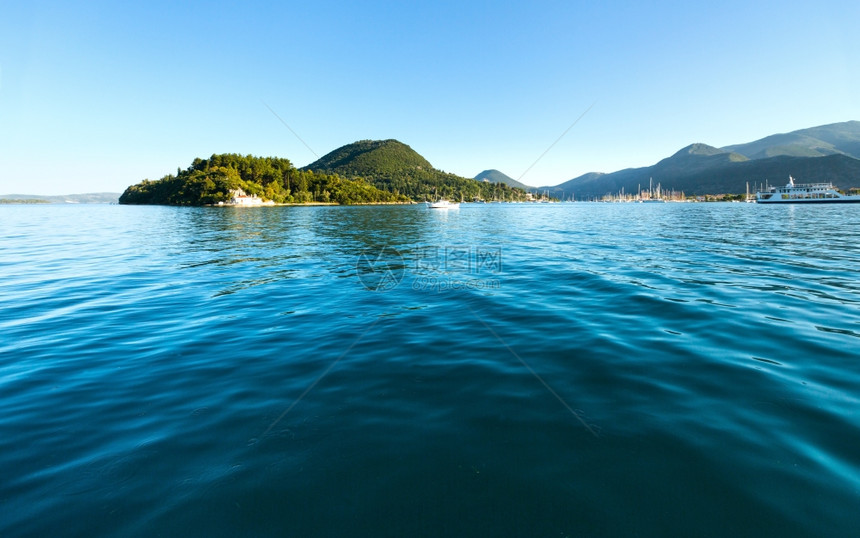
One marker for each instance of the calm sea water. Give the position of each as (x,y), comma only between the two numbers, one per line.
(500,370)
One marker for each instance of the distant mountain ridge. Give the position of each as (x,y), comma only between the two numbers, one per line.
(84,198)
(828,153)
(696,157)
(835,138)
(713,174)
(494,176)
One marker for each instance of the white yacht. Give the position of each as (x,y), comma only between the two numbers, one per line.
(443,204)
(804,193)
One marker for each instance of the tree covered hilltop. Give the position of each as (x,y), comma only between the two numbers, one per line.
(395,167)
(210,181)
(364,172)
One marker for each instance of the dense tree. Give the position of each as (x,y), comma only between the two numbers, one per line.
(367,171)
(209,181)
(395,167)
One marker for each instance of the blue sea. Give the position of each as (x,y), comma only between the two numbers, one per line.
(552,370)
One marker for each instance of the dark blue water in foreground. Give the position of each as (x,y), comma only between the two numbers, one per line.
(501,370)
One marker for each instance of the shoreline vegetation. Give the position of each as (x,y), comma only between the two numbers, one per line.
(213,180)
(394,179)
(362,173)
(311,204)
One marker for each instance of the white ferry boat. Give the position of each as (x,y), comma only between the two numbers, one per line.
(804,193)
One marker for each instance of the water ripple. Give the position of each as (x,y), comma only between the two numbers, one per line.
(155,368)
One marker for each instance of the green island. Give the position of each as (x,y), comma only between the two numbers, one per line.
(365,172)
(213,180)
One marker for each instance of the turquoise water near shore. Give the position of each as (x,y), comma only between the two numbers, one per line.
(497,370)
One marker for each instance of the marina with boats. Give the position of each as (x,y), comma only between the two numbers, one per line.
(790,193)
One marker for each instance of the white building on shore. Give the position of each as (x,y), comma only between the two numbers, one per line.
(240,198)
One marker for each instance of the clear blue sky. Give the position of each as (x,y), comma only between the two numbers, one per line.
(95,96)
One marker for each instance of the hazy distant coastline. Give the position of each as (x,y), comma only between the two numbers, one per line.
(85,198)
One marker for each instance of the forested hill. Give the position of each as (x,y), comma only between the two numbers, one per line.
(395,167)
(494,176)
(371,157)
(209,181)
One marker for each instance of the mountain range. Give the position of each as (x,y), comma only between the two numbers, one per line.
(836,138)
(374,171)
(828,153)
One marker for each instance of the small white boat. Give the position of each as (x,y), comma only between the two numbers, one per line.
(810,193)
(443,204)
